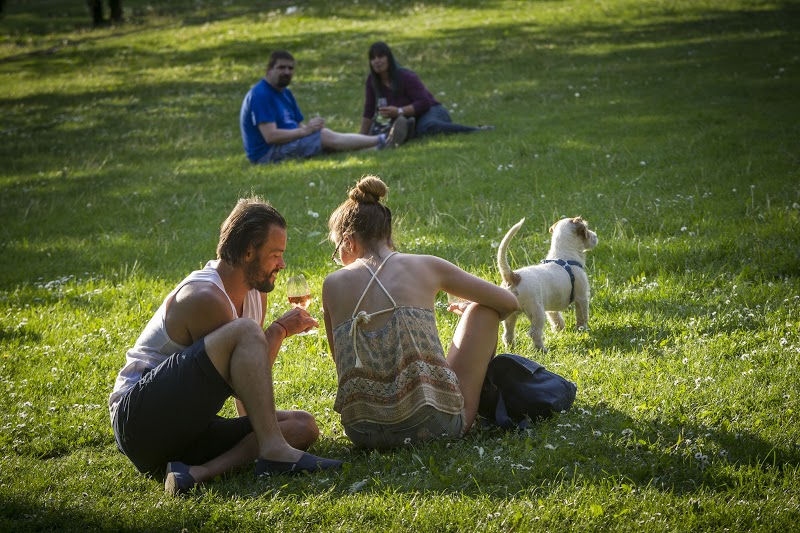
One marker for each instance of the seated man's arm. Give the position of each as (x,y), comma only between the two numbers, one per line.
(196,310)
(274,135)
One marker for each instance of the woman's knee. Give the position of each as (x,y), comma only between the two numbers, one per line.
(482,314)
(299,428)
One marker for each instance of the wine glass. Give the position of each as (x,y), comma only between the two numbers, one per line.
(382,102)
(299,295)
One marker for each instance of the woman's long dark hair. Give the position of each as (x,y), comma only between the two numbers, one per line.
(380,48)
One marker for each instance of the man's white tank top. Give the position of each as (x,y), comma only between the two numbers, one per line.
(154,346)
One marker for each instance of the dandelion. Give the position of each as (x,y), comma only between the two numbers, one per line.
(313,214)
(407,441)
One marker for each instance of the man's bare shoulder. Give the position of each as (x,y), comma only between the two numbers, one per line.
(197,309)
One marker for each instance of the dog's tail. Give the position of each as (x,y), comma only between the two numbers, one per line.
(510,277)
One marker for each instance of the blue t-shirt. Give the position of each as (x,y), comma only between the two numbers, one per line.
(263,104)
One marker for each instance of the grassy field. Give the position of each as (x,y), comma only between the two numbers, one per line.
(672,126)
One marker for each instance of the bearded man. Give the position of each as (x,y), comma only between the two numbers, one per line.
(206,343)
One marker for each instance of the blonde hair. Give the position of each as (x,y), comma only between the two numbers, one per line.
(363,214)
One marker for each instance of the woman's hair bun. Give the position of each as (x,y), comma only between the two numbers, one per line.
(370,190)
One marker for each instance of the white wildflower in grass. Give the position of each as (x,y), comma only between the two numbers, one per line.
(627,432)
(784,342)
(550,447)
(597,433)
(643,163)
(684,228)
(313,214)
(312,184)
(407,441)
(723,453)
(685,360)
(497,458)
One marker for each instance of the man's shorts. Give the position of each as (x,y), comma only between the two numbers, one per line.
(301,148)
(171,414)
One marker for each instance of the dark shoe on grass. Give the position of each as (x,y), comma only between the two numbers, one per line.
(179,480)
(412,128)
(398,134)
(307,463)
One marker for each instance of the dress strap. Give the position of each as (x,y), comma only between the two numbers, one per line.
(362,317)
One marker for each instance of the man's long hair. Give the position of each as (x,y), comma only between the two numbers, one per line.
(248,225)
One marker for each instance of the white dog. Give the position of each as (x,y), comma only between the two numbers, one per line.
(552,286)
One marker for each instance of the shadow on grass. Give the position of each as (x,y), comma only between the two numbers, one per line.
(20,515)
(593,445)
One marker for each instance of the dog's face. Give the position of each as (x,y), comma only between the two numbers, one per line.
(574,229)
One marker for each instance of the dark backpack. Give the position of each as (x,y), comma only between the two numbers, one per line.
(517,389)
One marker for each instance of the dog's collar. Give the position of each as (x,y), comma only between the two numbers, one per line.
(568,268)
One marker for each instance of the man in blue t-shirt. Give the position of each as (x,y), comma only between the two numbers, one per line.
(272,124)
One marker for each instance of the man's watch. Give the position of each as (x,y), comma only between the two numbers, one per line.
(399,110)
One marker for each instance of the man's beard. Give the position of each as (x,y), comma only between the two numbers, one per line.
(284,80)
(251,275)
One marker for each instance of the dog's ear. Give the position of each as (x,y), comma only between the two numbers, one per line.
(582,229)
(553,227)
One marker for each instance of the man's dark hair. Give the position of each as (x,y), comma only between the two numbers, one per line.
(276,55)
(248,225)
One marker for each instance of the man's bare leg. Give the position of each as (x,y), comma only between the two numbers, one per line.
(239,352)
(332,140)
(298,427)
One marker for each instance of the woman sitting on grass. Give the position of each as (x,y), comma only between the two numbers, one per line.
(398,92)
(395,385)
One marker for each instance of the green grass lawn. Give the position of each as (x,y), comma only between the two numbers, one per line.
(672,126)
